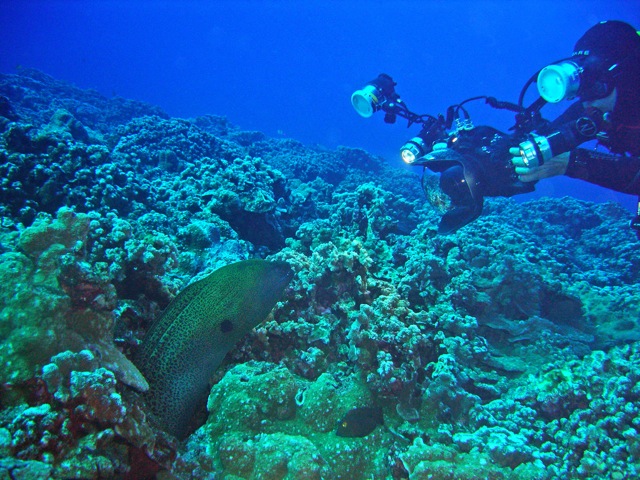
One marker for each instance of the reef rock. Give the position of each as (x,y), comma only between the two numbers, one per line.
(506,350)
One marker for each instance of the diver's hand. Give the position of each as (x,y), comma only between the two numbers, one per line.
(552,167)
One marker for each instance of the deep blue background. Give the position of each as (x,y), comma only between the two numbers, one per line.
(289,68)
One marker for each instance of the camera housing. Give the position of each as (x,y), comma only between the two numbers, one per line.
(463,164)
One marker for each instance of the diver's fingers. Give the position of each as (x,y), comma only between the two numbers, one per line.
(518,161)
(532,177)
(524,170)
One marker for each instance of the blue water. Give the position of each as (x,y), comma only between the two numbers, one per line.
(288,68)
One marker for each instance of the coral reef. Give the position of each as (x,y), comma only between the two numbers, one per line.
(507,350)
(78,425)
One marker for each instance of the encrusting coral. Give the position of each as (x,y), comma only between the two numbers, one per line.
(506,350)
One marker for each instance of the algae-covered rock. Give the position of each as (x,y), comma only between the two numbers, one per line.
(423,462)
(328,399)
(274,456)
(25,469)
(67,229)
(250,397)
(32,318)
(38,317)
(268,423)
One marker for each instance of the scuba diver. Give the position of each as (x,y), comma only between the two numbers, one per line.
(609,53)
(463,163)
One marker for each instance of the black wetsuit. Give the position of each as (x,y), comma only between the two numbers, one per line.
(618,170)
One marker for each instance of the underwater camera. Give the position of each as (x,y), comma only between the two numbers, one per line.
(463,163)
(462,168)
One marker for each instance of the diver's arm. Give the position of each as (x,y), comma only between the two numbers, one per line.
(617,172)
(556,165)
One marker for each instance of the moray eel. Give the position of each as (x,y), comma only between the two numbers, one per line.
(188,342)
